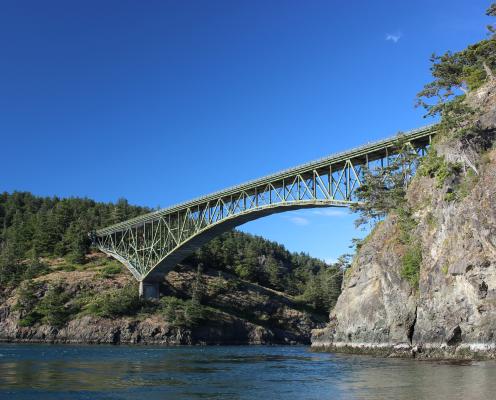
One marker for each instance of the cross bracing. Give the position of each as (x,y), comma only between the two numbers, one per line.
(152,244)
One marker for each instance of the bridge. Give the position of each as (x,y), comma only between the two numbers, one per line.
(152,244)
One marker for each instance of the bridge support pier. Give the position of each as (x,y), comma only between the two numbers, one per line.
(149,290)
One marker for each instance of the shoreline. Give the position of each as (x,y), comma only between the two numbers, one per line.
(424,351)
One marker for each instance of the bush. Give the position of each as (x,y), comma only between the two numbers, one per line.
(183,313)
(437,167)
(323,289)
(12,271)
(116,302)
(411,265)
(30,319)
(26,303)
(110,270)
(53,308)
(34,269)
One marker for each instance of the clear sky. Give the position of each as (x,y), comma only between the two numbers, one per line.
(163,101)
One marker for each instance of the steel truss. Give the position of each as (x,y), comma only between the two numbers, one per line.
(152,244)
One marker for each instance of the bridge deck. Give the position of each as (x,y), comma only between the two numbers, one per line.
(370,151)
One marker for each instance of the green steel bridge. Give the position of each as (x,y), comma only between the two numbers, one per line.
(152,244)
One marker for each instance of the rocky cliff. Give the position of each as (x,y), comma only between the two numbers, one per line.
(452,311)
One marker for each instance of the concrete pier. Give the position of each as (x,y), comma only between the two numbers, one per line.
(149,290)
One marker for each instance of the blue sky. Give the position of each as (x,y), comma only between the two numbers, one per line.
(163,101)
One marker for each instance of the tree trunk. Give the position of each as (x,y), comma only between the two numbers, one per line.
(489,73)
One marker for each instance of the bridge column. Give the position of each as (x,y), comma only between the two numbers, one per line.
(149,290)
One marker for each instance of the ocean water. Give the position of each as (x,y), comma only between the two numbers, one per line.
(232,372)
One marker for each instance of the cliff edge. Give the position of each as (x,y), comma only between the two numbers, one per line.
(450,310)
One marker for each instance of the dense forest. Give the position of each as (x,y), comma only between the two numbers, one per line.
(35,229)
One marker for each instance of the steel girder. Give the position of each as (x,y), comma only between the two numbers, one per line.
(152,244)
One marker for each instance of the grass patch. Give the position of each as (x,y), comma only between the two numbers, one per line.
(110,270)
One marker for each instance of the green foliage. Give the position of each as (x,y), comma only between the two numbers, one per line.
(110,270)
(450,196)
(76,242)
(26,303)
(14,271)
(52,227)
(437,167)
(258,260)
(48,226)
(461,71)
(384,189)
(323,289)
(183,313)
(411,263)
(199,289)
(53,308)
(466,184)
(30,319)
(431,220)
(433,166)
(491,11)
(406,224)
(443,173)
(115,302)
(34,268)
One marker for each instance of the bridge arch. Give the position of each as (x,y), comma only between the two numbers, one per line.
(203,236)
(150,245)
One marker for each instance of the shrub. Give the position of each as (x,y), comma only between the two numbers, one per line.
(110,270)
(450,196)
(26,303)
(14,271)
(467,184)
(53,308)
(116,302)
(183,313)
(30,319)
(35,268)
(411,265)
(431,220)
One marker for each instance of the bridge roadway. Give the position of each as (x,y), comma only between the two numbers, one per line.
(152,244)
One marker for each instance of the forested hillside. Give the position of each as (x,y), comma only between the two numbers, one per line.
(53,276)
(34,227)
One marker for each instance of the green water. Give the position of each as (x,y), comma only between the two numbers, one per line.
(244,372)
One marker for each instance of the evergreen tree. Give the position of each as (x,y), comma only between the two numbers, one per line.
(384,189)
(459,72)
(77,241)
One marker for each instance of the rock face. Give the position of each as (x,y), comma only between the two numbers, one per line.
(377,306)
(453,311)
(244,313)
